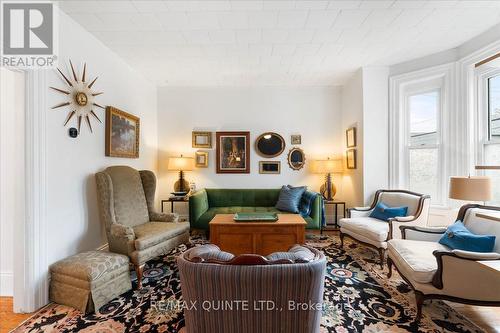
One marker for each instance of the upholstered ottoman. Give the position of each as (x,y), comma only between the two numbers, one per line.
(88,280)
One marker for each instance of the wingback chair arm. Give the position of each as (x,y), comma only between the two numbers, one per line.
(359,212)
(413,232)
(122,231)
(455,273)
(163,217)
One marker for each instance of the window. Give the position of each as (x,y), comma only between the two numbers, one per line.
(491,142)
(423,143)
(420,131)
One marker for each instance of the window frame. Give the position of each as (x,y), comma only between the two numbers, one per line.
(402,86)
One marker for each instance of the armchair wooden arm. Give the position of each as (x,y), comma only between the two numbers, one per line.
(464,279)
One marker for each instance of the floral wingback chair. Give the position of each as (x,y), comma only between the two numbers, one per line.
(133,227)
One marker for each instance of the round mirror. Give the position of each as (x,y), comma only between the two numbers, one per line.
(269,144)
(296,158)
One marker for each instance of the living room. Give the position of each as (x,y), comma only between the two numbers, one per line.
(164,163)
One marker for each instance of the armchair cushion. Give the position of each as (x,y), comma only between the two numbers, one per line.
(458,237)
(153,233)
(415,258)
(384,212)
(367,226)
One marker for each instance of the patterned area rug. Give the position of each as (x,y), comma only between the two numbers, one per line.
(363,300)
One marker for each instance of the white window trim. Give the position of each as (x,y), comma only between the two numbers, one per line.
(401,86)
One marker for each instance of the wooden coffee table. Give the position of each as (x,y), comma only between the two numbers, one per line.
(257,237)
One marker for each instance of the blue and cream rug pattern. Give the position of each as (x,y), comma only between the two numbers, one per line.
(366,301)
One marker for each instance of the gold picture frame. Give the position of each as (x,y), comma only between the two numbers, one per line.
(201,139)
(296,158)
(270,167)
(350,135)
(201,159)
(118,144)
(351,159)
(296,139)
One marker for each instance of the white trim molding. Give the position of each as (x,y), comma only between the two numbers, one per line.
(31,271)
(440,78)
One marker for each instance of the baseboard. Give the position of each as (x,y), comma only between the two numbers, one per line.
(104,247)
(6,283)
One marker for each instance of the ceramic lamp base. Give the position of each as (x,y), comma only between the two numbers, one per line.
(328,189)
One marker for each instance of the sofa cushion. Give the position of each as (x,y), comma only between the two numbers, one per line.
(289,199)
(152,233)
(415,258)
(384,212)
(458,237)
(367,226)
(242,197)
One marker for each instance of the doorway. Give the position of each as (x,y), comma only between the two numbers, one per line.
(12,181)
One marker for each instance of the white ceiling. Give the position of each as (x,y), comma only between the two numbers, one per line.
(301,43)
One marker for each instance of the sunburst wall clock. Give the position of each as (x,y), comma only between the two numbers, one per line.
(80,97)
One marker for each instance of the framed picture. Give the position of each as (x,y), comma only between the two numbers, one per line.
(233,152)
(122,133)
(270,167)
(201,159)
(350,134)
(296,139)
(202,140)
(351,159)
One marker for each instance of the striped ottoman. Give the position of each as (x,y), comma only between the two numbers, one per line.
(88,280)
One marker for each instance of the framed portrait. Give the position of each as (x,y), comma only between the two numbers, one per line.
(270,167)
(202,140)
(233,152)
(296,139)
(122,133)
(351,159)
(350,134)
(201,159)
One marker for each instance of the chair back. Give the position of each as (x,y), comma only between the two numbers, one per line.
(482,220)
(263,287)
(417,203)
(126,195)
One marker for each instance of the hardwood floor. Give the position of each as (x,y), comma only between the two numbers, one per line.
(8,319)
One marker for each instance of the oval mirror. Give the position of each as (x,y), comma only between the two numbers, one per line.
(269,144)
(296,158)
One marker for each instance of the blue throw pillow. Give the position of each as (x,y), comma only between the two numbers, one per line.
(289,198)
(384,212)
(458,237)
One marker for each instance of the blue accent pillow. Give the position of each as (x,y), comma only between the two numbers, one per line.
(384,212)
(289,198)
(458,237)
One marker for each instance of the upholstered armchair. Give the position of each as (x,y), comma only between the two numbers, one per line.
(250,293)
(375,233)
(435,271)
(133,227)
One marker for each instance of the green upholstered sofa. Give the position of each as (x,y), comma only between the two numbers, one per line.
(206,203)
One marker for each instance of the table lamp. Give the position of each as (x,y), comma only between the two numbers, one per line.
(470,188)
(327,167)
(181,164)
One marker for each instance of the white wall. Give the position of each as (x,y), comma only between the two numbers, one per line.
(352,116)
(11,176)
(312,112)
(72,213)
(376,131)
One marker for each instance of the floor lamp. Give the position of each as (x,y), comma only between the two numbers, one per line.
(475,188)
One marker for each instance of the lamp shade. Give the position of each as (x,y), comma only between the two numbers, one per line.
(180,163)
(470,188)
(327,166)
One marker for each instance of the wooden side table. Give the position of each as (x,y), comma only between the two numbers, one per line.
(335,204)
(171,200)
